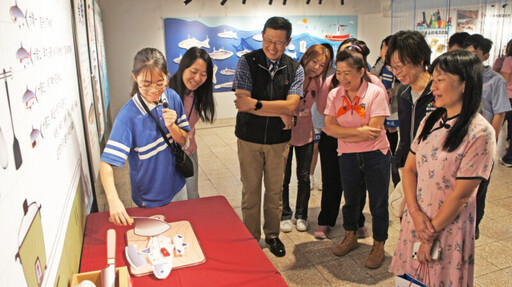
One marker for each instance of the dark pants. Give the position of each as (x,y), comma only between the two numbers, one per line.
(331,183)
(480,199)
(366,170)
(304,154)
(508,155)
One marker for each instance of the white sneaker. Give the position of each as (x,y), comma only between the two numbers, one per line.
(312,182)
(286,225)
(302,225)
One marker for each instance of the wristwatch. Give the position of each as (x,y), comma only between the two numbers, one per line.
(258,105)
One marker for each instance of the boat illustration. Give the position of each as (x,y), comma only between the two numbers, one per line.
(228,34)
(293,55)
(178,60)
(224,85)
(29,98)
(258,37)
(243,52)
(338,36)
(227,72)
(220,54)
(291,47)
(193,42)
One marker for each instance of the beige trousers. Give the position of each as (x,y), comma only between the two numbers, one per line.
(259,161)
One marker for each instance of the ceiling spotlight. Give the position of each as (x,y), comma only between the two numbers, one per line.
(308,1)
(243,2)
(319,2)
(342,2)
(284,2)
(269,2)
(223,2)
(187,2)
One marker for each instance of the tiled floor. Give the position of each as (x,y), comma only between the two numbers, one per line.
(310,262)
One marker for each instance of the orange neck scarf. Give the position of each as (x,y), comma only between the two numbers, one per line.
(347,107)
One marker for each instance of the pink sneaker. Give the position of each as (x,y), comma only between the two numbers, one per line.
(361,232)
(322,231)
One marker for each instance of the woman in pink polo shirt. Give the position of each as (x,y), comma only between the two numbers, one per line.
(355,114)
(316,64)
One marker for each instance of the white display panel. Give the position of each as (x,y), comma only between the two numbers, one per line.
(43,148)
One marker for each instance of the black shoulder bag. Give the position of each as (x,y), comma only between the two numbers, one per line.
(183,161)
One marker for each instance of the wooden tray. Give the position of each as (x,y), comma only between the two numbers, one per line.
(193,253)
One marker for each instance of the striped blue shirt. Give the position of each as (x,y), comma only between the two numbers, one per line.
(135,136)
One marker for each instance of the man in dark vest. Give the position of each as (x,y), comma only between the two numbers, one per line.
(268,87)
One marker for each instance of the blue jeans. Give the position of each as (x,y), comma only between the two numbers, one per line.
(370,170)
(304,154)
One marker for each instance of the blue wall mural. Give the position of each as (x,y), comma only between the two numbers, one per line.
(226,39)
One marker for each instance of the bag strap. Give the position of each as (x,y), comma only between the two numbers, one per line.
(156,122)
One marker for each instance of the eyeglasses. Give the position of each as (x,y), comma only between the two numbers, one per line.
(147,88)
(397,69)
(279,44)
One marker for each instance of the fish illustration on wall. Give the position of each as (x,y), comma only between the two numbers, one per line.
(29,99)
(193,42)
(227,72)
(178,60)
(214,78)
(293,55)
(258,37)
(228,34)
(224,85)
(220,54)
(17,14)
(243,52)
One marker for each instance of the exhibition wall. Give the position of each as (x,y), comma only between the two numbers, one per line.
(52,123)
(130,25)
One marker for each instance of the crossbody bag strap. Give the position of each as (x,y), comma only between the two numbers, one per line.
(156,122)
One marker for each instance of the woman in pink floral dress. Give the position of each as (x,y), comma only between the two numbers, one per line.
(448,159)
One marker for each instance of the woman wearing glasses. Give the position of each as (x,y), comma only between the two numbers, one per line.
(193,83)
(409,56)
(135,136)
(355,114)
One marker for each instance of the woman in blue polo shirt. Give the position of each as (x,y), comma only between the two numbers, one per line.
(135,136)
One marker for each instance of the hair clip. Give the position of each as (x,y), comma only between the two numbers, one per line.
(354,47)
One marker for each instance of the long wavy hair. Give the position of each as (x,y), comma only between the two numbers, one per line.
(147,59)
(203,103)
(468,68)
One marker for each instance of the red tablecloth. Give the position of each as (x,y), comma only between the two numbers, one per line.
(233,257)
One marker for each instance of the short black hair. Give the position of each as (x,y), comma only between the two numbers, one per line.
(411,47)
(279,23)
(458,39)
(478,42)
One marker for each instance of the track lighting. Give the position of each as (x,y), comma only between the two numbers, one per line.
(319,2)
(308,1)
(223,2)
(243,2)
(269,2)
(342,2)
(284,2)
(187,2)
